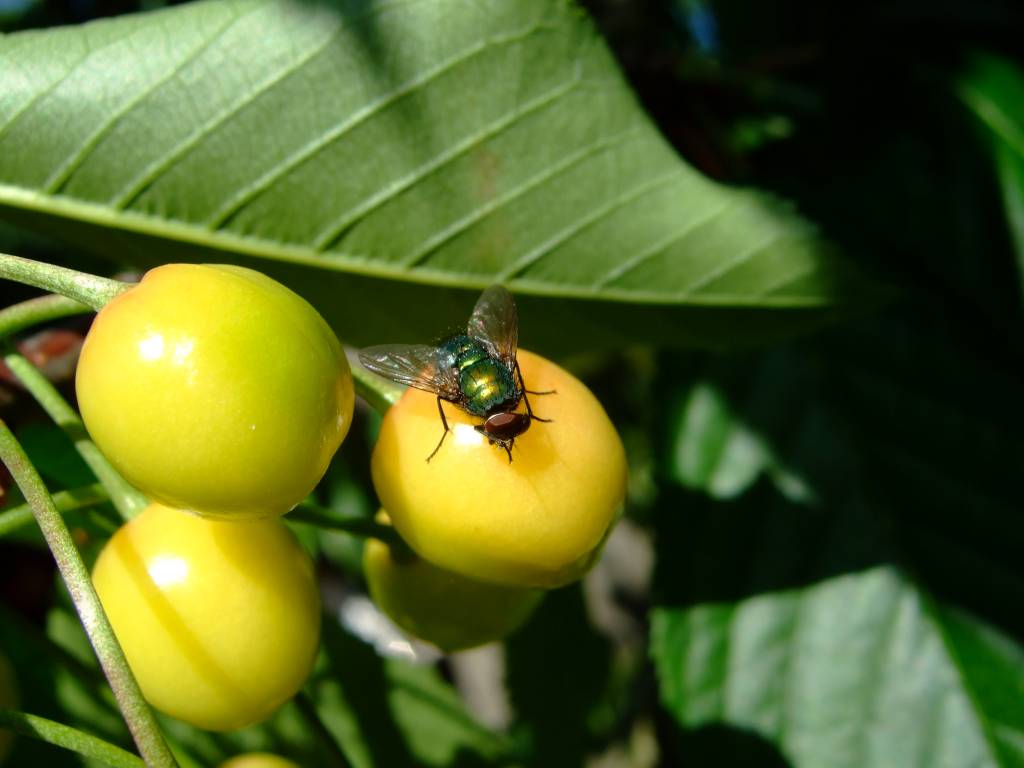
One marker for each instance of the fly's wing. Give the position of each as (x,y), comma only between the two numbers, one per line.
(416,365)
(494,322)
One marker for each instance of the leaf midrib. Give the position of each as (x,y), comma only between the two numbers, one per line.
(30,200)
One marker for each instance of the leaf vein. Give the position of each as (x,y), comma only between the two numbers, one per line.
(158,167)
(60,177)
(660,246)
(530,258)
(445,235)
(188,232)
(240,199)
(785,279)
(329,236)
(730,264)
(46,91)
(875,677)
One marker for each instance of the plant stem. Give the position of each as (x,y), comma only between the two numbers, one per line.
(378,392)
(89,289)
(128,501)
(314,514)
(17,317)
(134,708)
(70,738)
(66,501)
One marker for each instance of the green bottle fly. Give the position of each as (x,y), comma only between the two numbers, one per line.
(476,371)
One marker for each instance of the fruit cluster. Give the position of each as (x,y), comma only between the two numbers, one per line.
(222,396)
(492,534)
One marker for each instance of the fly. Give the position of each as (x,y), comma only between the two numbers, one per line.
(477,371)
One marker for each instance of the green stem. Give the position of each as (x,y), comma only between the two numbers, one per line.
(88,289)
(70,738)
(136,712)
(378,392)
(66,501)
(128,501)
(17,317)
(314,514)
(336,756)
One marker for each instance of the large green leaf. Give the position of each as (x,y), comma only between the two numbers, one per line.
(905,420)
(441,143)
(861,670)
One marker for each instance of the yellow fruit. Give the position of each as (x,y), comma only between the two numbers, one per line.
(439,606)
(215,389)
(258,760)
(537,522)
(219,621)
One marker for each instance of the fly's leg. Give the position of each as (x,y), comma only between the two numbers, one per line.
(444,434)
(529,410)
(508,448)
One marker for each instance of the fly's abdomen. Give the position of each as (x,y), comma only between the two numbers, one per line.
(487,384)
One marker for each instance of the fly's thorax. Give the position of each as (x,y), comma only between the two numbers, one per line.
(463,349)
(488,386)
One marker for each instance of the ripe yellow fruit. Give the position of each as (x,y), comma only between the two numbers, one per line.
(537,522)
(215,389)
(258,760)
(441,607)
(220,621)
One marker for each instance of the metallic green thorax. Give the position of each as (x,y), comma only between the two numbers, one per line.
(486,382)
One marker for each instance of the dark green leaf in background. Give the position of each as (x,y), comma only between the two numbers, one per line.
(558,672)
(910,459)
(993,89)
(861,670)
(386,712)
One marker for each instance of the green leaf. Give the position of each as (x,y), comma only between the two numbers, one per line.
(441,143)
(725,425)
(558,671)
(69,738)
(36,668)
(54,455)
(388,713)
(861,670)
(903,424)
(938,434)
(993,89)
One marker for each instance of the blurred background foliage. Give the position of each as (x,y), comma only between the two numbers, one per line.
(834,521)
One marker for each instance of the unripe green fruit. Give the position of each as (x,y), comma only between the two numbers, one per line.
(215,389)
(441,607)
(258,760)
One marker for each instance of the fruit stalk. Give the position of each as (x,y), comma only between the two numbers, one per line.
(41,309)
(88,289)
(66,501)
(137,714)
(379,393)
(126,499)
